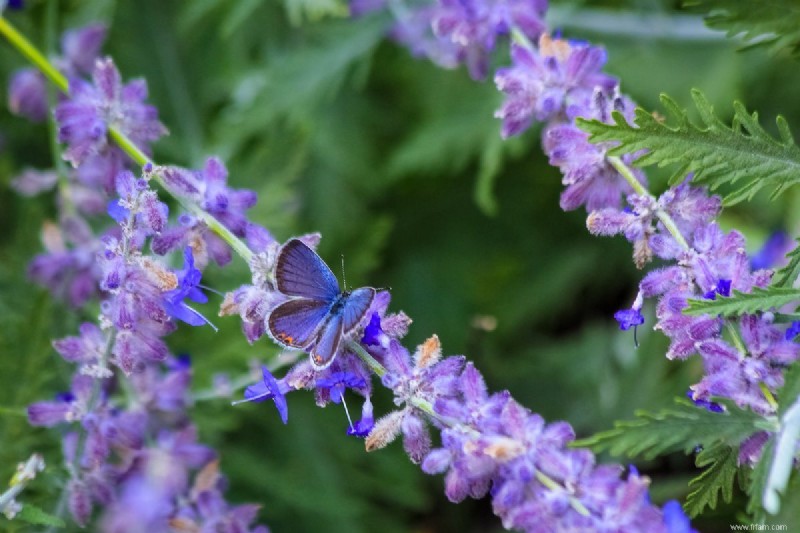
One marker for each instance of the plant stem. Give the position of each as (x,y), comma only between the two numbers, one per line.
(640,189)
(33,55)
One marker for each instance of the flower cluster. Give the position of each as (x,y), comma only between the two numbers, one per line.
(489,443)
(130,447)
(141,455)
(558,81)
(745,366)
(455,32)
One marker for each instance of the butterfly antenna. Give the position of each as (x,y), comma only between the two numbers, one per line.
(344,279)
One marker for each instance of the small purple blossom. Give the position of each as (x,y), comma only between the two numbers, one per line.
(473,26)
(558,77)
(705,404)
(772,253)
(629,318)
(364,426)
(336,383)
(188,287)
(27,95)
(92,108)
(269,388)
(589,178)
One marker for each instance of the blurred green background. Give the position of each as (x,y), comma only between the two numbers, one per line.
(400,166)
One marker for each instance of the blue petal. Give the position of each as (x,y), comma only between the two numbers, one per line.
(629,318)
(373,331)
(184,313)
(116,211)
(675,519)
(278,397)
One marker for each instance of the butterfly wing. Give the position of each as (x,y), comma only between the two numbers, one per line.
(299,271)
(356,306)
(295,323)
(327,342)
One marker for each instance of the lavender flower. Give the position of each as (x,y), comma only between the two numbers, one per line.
(270,388)
(474,25)
(67,268)
(590,179)
(92,108)
(208,188)
(557,78)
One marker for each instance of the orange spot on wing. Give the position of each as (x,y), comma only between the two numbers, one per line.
(283,337)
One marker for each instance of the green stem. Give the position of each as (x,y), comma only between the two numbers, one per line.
(33,55)
(640,189)
(377,368)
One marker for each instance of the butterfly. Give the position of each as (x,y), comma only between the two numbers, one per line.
(318,313)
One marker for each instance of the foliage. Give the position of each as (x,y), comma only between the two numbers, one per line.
(743,155)
(682,428)
(772,23)
(397,162)
(741,303)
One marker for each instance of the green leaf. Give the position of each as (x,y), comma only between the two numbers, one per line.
(34,515)
(719,462)
(314,9)
(490,166)
(744,303)
(682,428)
(773,23)
(743,155)
(790,391)
(787,275)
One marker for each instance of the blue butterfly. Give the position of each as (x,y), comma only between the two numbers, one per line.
(318,314)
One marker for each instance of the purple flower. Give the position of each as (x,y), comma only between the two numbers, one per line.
(675,519)
(68,267)
(557,78)
(336,383)
(589,178)
(27,94)
(363,427)
(629,318)
(188,287)
(773,252)
(705,404)
(269,388)
(208,188)
(80,48)
(84,118)
(473,26)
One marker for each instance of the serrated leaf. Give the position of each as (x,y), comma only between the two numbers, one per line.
(774,23)
(743,154)
(787,275)
(682,428)
(720,470)
(744,303)
(34,515)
